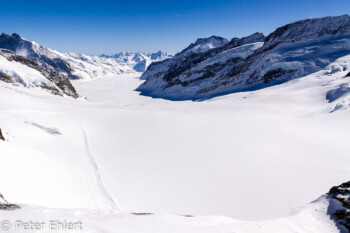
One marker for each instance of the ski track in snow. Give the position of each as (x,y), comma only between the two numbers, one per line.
(96,169)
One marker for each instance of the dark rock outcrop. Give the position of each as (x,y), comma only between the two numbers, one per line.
(341,194)
(4,205)
(9,206)
(1,136)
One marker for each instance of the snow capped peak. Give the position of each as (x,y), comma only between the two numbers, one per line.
(132,55)
(256,37)
(139,61)
(212,38)
(160,55)
(310,29)
(204,44)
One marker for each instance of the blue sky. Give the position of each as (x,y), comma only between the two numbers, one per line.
(104,26)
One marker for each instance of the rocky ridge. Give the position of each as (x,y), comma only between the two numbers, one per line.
(292,51)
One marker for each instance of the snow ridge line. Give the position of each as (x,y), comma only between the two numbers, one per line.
(96,169)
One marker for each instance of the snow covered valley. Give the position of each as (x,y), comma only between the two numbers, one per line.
(249,156)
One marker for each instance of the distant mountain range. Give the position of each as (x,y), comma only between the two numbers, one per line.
(208,67)
(214,66)
(138,61)
(80,66)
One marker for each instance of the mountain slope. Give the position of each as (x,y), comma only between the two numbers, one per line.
(79,66)
(19,70)
(187,69)
(292,51)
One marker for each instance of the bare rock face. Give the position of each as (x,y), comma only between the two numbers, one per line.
(341,193)
(63,85)
(1,136)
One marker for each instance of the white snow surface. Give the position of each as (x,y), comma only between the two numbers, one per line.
(310,219)
(250,155)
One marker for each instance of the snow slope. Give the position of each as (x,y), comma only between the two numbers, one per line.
(19,70)
(232,156)
(313,218)
(46,160)
(214,157)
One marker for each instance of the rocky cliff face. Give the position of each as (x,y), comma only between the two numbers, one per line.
(291,51)
(19,70)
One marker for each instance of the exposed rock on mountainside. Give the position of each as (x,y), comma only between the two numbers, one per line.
(80,66)
(309,29)
(1,136)
(290,52)
(341,193)
(30,74)
(188,68)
